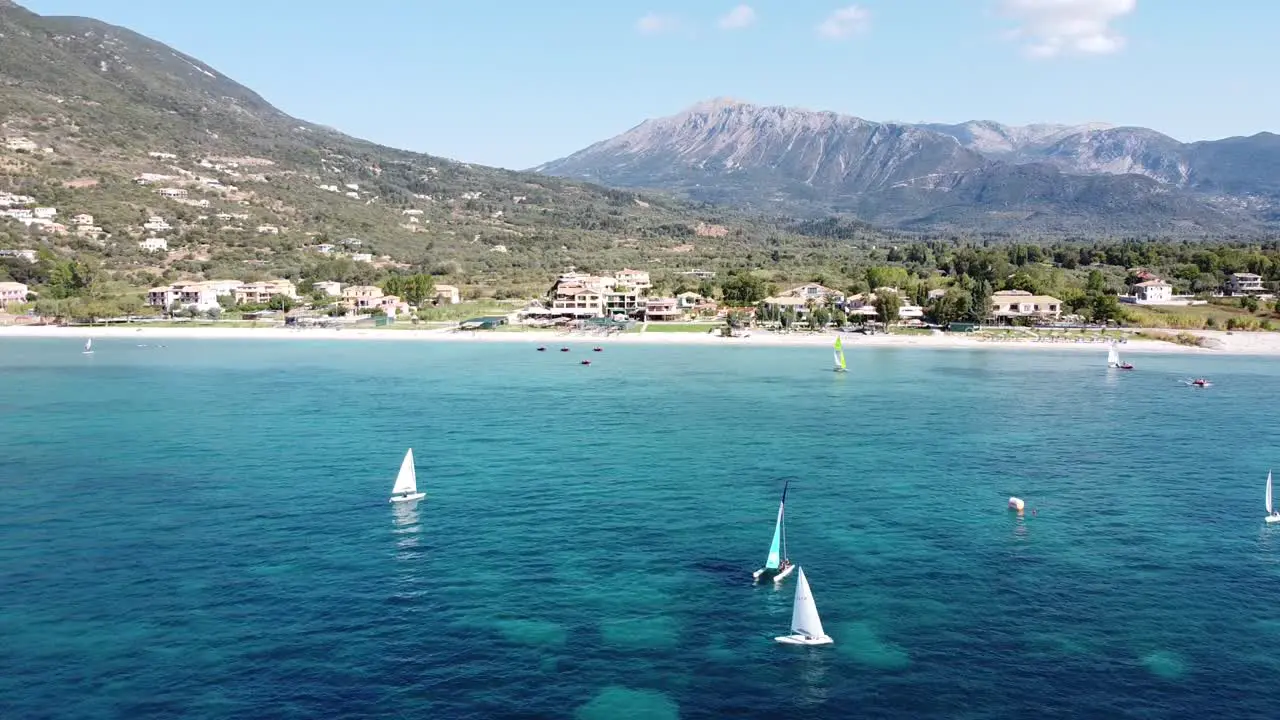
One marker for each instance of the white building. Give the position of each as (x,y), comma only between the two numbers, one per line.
(332,288)
(324,249)
(172,193)
(156,224)
(362,257)
(20,144)
(200,295)
(268,230)
(638,279)
(447,295)
(12,292)
(82,219)
(1153,292)
(1244,284)
(46,213)
(162,155)
(154,244)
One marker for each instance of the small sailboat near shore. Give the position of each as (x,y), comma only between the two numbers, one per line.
(1113,359)
(1272,515)
(838,353)
(777,565)
(88,347)
(406,487)
(806,626)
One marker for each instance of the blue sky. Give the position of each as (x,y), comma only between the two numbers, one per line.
(515,83)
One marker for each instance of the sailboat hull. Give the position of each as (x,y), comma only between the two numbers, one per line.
(804,640)
(1273,519)
(407,498)
(775,575)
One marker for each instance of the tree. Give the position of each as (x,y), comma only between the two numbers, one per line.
(819,317)
(283,303)
(192,312)
(888,303)
(413,289)
(956,305)
(743,288)
(213,313)
(1106,308)
(1096,283)
(174,308)
(1249,302)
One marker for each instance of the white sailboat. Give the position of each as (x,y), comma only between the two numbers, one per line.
(88,347)
(777,564)
(406,487)
(838,352)
(806,626)
(1272,515)
(1113,359)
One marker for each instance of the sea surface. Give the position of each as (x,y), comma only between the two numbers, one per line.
(200,529)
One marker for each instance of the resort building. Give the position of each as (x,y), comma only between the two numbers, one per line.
(1011,304)
(363,297)
(623,301)
(1244,284)
(634,279)
(153,244)
(12,292)
(577,301)
(260,293)
(200,295)
(662,309)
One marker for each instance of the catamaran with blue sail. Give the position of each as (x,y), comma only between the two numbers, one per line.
(778,565)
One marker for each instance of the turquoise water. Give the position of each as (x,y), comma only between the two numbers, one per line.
(201,530)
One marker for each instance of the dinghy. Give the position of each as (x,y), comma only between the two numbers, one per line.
(838,352)
(88,347)
(806,626)
(406,487)
(1113,359)
(777,565)
(1272,515)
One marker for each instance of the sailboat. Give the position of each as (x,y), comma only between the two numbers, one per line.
(838,352)
(806,626)
(777,565)
(88,347)
(1272,515)
(1113,359)
(406,487)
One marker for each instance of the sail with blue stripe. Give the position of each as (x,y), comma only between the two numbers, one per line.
(777,547)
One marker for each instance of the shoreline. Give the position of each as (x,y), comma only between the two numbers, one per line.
(1258,344)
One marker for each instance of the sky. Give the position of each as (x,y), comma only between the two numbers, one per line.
(515,83)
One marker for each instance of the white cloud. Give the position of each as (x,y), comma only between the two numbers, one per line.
(1056,27)
(657,24)
(845,22)
(738,18)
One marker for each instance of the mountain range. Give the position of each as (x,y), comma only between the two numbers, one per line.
(978,175)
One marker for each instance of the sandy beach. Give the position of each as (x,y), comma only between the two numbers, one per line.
(1257,343)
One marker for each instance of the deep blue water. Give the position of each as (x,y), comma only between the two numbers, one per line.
(201,530)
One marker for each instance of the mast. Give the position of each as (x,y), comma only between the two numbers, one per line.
(784,521)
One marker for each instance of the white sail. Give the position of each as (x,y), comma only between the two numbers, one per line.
(88,345)
(1269,510)
(835,355)
(407,480)
(1113,356)
(804,613)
